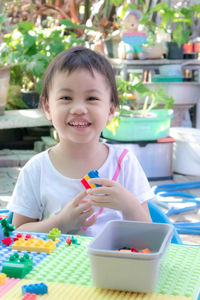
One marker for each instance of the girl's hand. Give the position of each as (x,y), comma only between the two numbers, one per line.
(113,195)
(75,214)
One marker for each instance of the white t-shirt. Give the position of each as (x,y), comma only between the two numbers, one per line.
(41,191)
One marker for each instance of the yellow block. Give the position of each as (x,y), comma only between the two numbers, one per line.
(2,278)
(92,185)
(36,245)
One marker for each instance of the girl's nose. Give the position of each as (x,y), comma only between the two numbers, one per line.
(78,108)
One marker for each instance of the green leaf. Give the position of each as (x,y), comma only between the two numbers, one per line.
(112,126)
(25,26)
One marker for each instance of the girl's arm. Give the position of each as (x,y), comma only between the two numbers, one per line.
(24,223)
(73,216)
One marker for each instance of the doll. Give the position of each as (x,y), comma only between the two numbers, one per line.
(132,39)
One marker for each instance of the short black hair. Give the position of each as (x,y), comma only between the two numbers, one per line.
(79,58)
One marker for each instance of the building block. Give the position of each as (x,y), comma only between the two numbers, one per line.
(69,240)
(16,266)
(91,174)
(37,288)
(7,228)
(29,296)
(2,278)
(35,244)
(53,234)
(7,241)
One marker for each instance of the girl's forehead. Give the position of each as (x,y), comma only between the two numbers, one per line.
(81,72)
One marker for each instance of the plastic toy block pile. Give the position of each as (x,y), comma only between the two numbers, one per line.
(56,266)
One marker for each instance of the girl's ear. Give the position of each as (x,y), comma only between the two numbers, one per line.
(45,105)
(112,111)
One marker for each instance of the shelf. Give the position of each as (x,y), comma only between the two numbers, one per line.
(22,118)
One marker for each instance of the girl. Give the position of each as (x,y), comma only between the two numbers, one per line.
(79,97)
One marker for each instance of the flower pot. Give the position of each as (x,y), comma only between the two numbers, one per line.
(30,98)
(174,51)
(4,85)
(141,128)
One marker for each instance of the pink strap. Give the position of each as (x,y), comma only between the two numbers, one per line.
(119,164)
(114,178)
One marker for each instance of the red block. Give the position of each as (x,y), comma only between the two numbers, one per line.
(7,241)
(29,296)
(85,183)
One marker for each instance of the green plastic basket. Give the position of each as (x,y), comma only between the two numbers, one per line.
(141,128)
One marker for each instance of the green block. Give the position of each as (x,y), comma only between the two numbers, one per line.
(6,227)
(17,267)
(54,234)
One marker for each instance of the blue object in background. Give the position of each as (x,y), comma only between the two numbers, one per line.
(158,216)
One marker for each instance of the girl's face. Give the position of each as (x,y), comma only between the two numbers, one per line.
(79,105)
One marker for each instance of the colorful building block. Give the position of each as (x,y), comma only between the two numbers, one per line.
(7,241)
(29,296)
(91,174)
(34,244)
(69,240)
(7,228)
(54,234)
(2,278)
(37,288)
(16,266)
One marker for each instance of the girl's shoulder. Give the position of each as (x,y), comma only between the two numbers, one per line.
(36,160)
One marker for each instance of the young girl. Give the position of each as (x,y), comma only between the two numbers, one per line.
(79,97)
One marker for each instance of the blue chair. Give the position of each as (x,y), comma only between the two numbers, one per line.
(158,216)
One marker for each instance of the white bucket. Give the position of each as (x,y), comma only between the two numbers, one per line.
(186,150)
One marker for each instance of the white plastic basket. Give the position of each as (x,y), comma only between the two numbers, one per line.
(128,271)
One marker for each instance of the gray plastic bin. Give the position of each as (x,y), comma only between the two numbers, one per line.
(124,270)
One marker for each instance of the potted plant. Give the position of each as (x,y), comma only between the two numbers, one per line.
(177,22)
(138,120)
(4,86)
(29,49)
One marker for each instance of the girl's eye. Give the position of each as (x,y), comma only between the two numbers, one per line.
(66,98)
(92,98)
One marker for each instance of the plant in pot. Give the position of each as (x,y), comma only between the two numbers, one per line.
(29,49)
(138,120)
(177,22)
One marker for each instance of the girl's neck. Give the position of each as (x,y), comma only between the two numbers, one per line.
(75,161)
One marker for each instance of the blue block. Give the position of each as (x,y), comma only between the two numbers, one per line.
(94,174)
(37,288)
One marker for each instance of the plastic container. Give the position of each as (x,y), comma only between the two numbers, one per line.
(128,271)
(186,150)
(155,157)
(141,128)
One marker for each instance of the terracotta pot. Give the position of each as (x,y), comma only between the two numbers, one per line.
(4,85)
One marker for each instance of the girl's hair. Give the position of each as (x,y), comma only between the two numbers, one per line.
(79,58)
